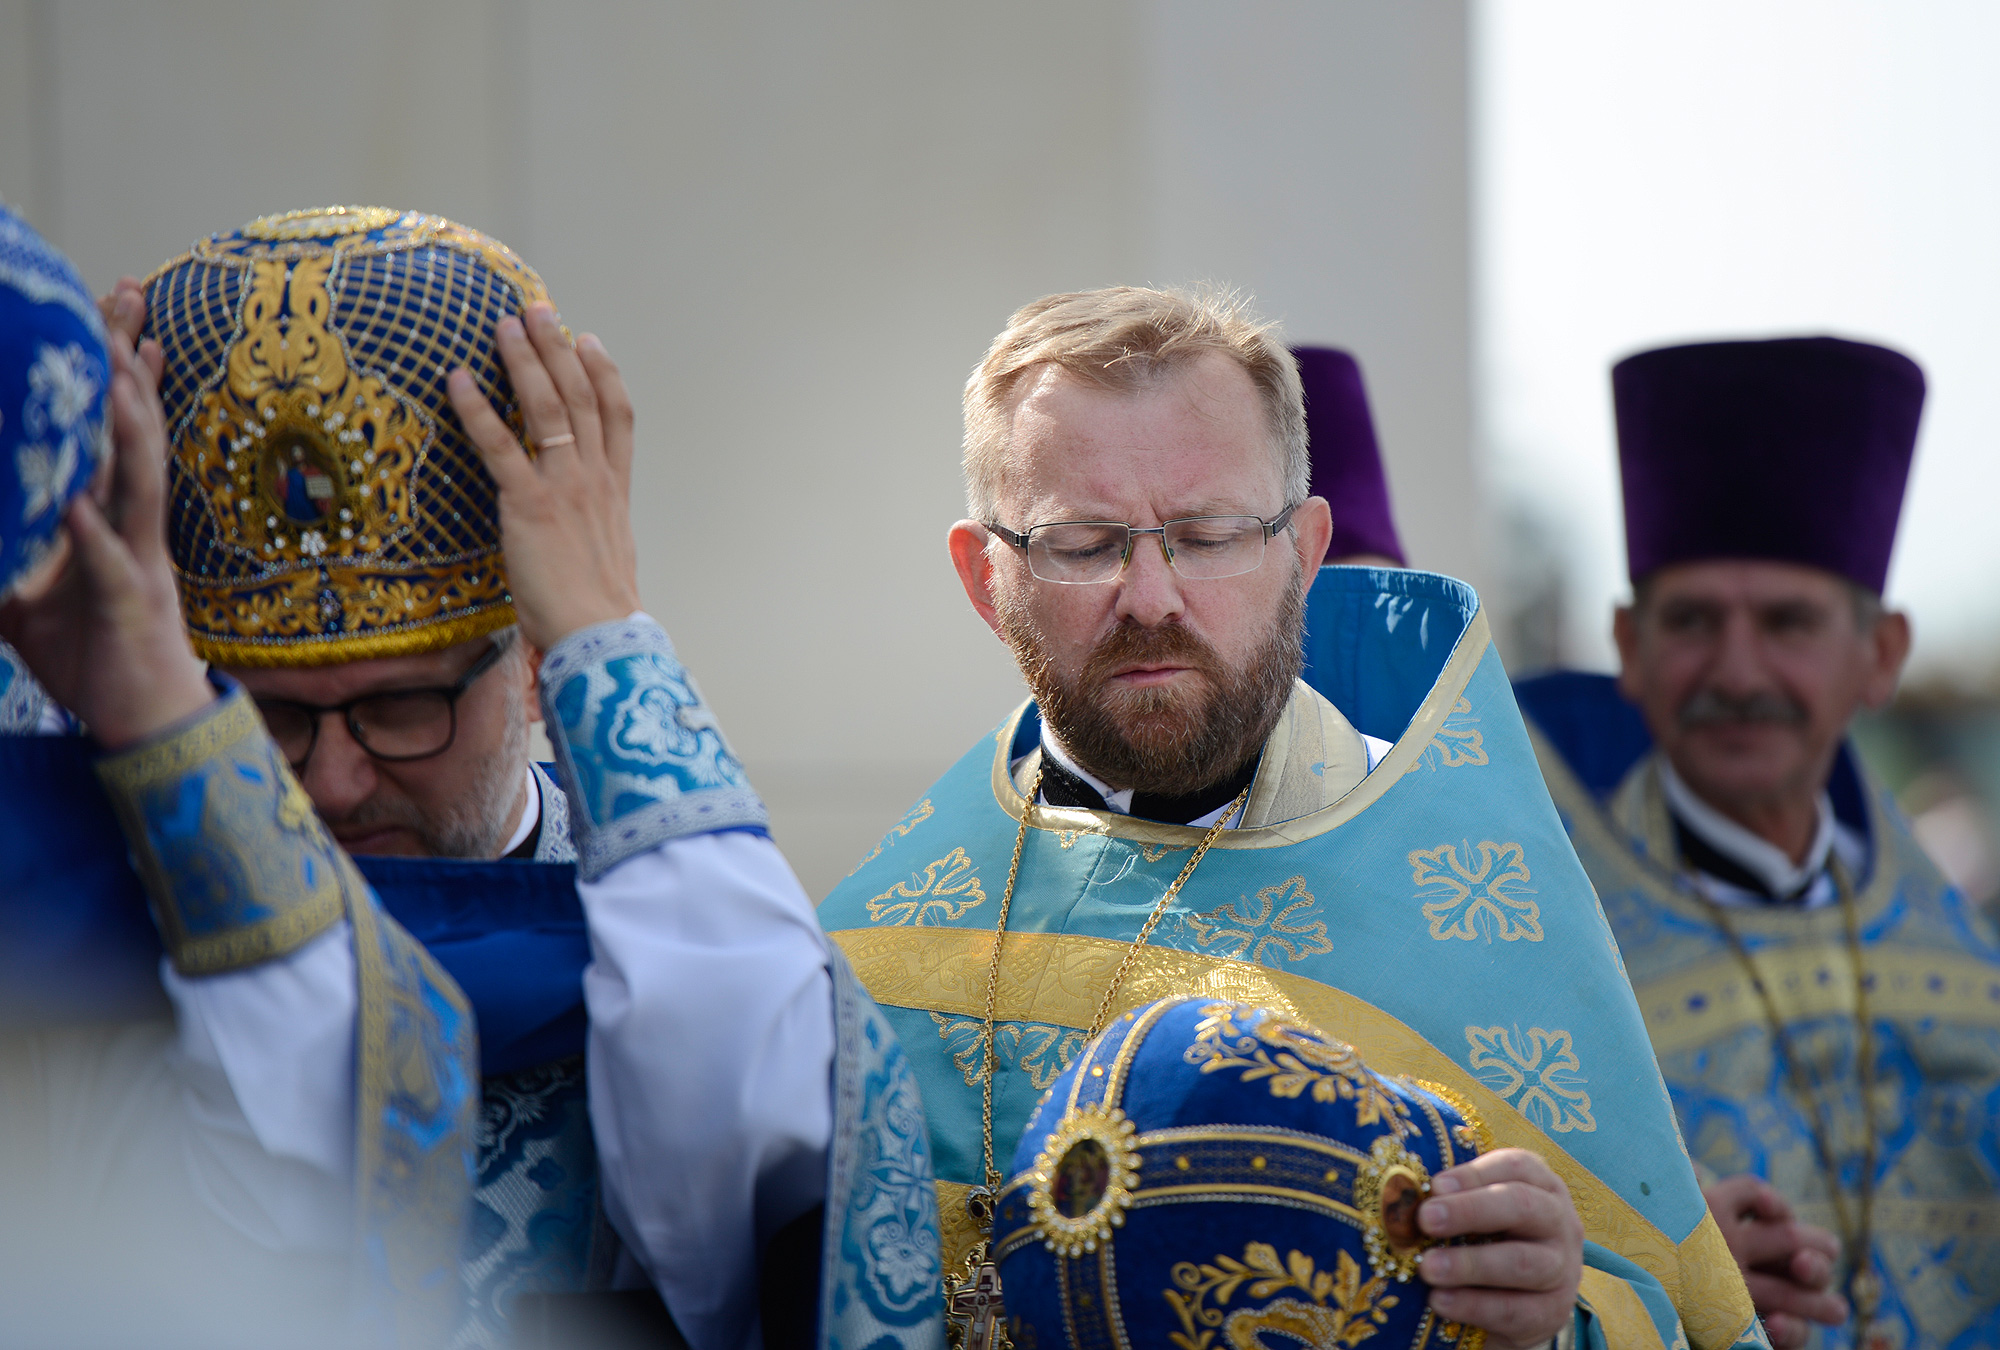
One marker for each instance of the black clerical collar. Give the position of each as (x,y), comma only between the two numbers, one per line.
(1061,787)
(1705,857)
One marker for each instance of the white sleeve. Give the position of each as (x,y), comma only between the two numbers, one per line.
(710,1066)
(266,1061)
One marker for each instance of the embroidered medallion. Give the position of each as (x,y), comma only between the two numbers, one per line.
(1083,1180)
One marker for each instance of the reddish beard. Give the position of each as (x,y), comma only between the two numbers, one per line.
(1167,740)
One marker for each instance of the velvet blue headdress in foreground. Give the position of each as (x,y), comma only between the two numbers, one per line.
(1789,450)
(1205,1173)
(54,377)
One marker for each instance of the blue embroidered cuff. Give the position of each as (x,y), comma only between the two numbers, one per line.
(639,753)
(238,867)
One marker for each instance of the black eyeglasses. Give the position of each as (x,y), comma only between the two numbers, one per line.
(1201,548)
(397,725)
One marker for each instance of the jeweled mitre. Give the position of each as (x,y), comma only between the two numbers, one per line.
(326,505)
(1208,1175)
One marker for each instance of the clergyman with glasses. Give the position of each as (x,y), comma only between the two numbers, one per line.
(1176,811)
(348,393)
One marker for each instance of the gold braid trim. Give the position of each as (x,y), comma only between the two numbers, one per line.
(258,875)
(412,640)
(936,969)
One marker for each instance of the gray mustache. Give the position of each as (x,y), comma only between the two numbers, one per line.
(1709,707)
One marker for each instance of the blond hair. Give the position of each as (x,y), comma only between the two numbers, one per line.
(1122,338)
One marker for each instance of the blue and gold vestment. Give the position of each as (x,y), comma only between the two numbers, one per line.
(1931,963)
(1434,917)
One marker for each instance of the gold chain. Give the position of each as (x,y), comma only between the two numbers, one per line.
(993,1177)
(1855,1238)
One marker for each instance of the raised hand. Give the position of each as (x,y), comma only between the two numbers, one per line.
(102,629)
(565,514)
(1520,1284)
(1788,1265)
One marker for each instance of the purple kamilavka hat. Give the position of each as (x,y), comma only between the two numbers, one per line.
(1793,449)
(1346,462)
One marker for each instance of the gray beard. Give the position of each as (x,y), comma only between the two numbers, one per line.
(1163,742)
(475,823)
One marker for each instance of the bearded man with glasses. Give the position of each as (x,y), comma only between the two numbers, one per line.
(1175,811)
(364,406)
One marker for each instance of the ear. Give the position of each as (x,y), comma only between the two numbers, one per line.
(1625,632)
(967,542)
(1888,649)
(532,679)
(1312,525)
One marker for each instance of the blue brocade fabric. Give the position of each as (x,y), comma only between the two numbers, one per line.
(1204,1167)
(1931,962)
(1434,917)
(881,1277)
(641,756)
(55,375)
(239,869)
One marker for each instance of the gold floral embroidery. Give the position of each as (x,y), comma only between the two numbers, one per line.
(912,818)
(1343,1311)
(1040,1051)
(1458,742)
(944,890)
(1294,1057)
(1152,853)
(292,411)
(1280,926)
(1539,1074)
(1477,897)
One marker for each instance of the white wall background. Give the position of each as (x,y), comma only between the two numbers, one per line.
(797,227)
(1657,173)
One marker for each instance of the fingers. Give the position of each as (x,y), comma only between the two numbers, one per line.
(101,555)
(1774,1246)
(45,576)
(124,310)
(543,407)
(1509,1191)
(502,454)
(1784,1333)
(1507,1319)
(568,377)
(1734,1197)
(1813,1238)
(1496,1265)
(1774,1295)
(1505,1164)
(614,405)
(139,452)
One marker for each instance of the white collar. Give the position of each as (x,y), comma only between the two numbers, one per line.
(1763,860)
(531,815)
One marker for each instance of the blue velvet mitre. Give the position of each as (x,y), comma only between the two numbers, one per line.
(1209,1176)
(55,375)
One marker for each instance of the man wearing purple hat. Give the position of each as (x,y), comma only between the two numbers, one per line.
(1346,461)
(1825,1007)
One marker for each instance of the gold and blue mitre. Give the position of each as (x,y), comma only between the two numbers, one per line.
(54,377)
(326,505)
(1212,1175)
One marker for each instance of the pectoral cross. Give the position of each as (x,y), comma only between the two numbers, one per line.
(977,1319)
(974,1318)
